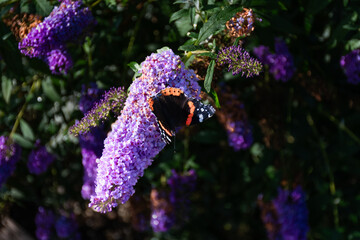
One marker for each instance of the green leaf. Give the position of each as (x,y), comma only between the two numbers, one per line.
(43,7)
(163,49)
(352,44)
(23,142)
(26,130)
(6,88)
(192,14)
(134,66)
(50,91)
(190,48)
(217,22)
(209,76)
(179,14)
(215,98)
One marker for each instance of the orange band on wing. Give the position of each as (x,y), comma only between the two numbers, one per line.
(151,103)
(191,114)
(172,91)
(165,130)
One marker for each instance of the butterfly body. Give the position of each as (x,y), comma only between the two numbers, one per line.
(174,109)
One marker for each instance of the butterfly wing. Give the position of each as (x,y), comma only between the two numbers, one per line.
(171,111)
(201,112)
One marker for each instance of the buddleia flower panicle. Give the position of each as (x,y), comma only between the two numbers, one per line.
(162,211)
(239,60)
(281,63)
(92,142)
(69,22)
(9,155)
(39,159)
(135,138)
(286,216)
(112,101)
(242,24)
(351,66)
(233,117)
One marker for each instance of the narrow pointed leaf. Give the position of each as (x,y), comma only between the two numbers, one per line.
(209,76)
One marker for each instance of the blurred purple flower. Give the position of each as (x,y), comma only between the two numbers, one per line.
(66,23)
(135,138)
(66,227)
(351,66)
(292,213)
(281,63)
(162,212)
(44,221)
(239,135)
(91,143)
(286,217)
(9,155)
(89,96)
(181,187)
(239,60)
(39,160)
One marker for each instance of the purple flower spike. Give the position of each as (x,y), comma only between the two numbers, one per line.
(39,160)
(351,66)
(239,60)
(9,155)
(68,22)
(135,138)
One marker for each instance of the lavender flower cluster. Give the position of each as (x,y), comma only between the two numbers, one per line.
(9,155)
(239,60)
(112,101)
(289,215)
(91,143)
(351,66)
(47,223)
(162,212)
(233,117)
(239,135)
(135,138)
(172,208)
(242,23)
(47,41)
(281,63)
(39,159)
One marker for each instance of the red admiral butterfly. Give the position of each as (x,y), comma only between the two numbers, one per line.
(173,109)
